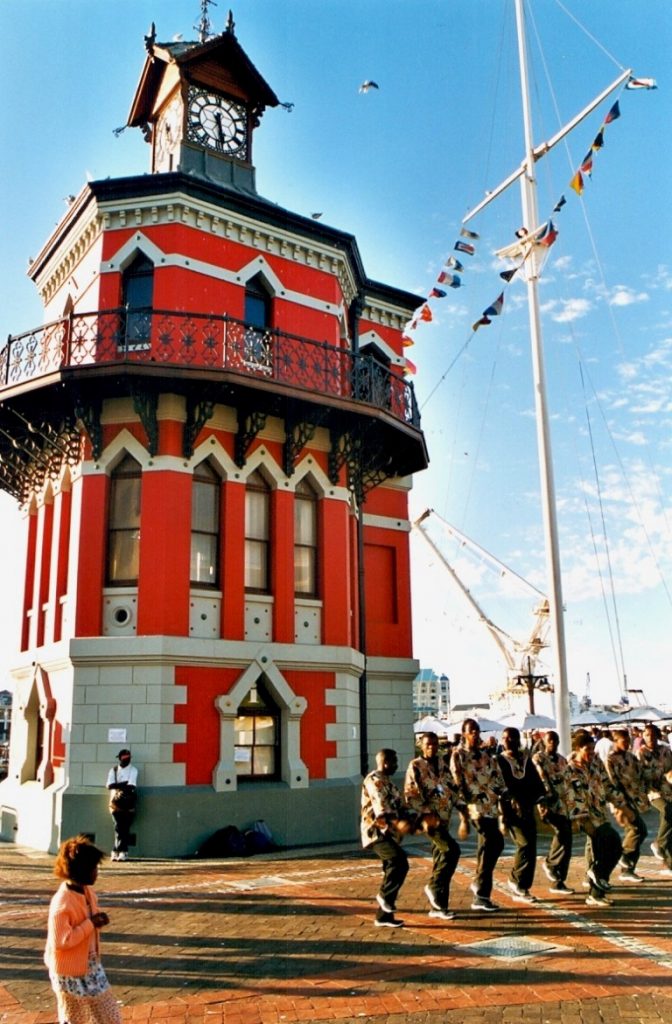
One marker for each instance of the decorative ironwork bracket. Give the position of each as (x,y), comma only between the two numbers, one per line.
(297,435)
(145,404)
(249,425)
(367,467)
(89,414)
(199,411)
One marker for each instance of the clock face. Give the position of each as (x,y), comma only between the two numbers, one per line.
(168,133)
(217,123)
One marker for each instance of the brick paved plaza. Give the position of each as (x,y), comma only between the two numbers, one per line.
(290,937)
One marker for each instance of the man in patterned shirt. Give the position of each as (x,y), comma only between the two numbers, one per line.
(656,762)
(552,768)
(524,790)
(479,779)
(625,772)
(431,794)
(590,793)
(384,820)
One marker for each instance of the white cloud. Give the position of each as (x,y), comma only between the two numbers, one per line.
(625,296)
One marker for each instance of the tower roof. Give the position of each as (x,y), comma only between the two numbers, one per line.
(218,63)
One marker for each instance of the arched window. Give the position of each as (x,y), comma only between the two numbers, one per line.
(137,296)
(305,540)
(258,347)
(257,735)
(123,537)
(205,527)
(257,534)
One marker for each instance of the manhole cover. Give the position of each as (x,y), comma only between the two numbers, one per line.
(511,947)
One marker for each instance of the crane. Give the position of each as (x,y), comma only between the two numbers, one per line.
(520,658)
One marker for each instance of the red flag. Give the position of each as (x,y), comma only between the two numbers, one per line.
(425,312)
(410,367)
(480,323)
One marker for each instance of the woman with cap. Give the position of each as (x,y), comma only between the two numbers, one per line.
(122,782)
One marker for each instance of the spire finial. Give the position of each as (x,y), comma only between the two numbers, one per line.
(203,26)
(230,23)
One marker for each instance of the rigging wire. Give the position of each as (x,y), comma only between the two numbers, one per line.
(590,36)
(605,536)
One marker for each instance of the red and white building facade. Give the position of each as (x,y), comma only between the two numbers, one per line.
(213,439)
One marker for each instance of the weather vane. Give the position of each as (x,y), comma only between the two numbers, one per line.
(204,24)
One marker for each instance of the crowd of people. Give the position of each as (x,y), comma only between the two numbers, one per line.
(506,789)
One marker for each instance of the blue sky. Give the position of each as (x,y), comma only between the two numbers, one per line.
(399,167)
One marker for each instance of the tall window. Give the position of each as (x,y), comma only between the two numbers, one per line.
(123,541)
(257,742)
(305,540)
(257,534)
(258,348)
(137,294)
(205,527)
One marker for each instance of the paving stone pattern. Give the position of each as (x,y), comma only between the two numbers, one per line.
(289,937)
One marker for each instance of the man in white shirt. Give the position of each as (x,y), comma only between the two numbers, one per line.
(122,782)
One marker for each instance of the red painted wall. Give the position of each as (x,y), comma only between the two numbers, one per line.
(165,542)
(200,752)
(315,748)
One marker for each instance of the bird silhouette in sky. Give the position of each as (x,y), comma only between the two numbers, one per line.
(368,84)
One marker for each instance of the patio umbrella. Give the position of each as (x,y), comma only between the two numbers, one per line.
(644,714)
(485,724)
(431,724)
(526,722)
(589,717)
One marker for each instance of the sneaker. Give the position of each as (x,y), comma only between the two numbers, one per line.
(599,883)
(598,901)
(655,850)
(443,915)
(122,856)
(561,888)
(666,872)
(484,904)
(520,895)
(550,874)
(433,902)
(113,855)
(630,876)
(389,921)
(386,907)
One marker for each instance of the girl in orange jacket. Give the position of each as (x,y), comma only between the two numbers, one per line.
(72,953)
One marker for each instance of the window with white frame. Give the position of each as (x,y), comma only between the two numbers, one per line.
(205,504)
(123,534)
(257,534)
(305,540)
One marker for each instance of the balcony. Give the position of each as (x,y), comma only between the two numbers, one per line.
(60,373)
(194,343)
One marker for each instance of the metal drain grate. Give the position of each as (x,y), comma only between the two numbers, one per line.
(511,947)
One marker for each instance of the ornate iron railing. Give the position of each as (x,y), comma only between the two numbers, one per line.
(165,338)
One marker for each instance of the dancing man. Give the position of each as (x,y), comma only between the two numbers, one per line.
(384,820)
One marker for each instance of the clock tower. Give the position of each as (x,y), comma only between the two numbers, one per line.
(212,437)
(202,102)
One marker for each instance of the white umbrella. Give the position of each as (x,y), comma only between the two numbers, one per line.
(589,717)
(485,724)
(526,722)
(431,724)
(644,714)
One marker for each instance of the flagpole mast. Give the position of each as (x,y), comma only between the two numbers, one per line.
(531,222)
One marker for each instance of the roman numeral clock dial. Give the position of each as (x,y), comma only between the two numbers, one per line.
(217,123)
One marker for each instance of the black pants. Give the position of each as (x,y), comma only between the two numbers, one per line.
(445,855)
(523,832)
(664,837)
(560,851)
(490,845)
(395,868)
(603,850)
(122,829)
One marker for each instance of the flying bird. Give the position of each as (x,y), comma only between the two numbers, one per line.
(368,84)
(316,216)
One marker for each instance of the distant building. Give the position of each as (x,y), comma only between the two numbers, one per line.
(5,729)
(431,693)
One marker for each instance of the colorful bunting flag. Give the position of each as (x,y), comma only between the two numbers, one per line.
(587,165)
(455,264)
(406,341)
(496,308)
(559,205)
(577,183)
(613,113)
(464,247)
(641,83)
(465,233)
(548,235)
(437,293)
(452,280)
(598,141)
(480,323)
(508,275)
(425,313)
(410,367)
